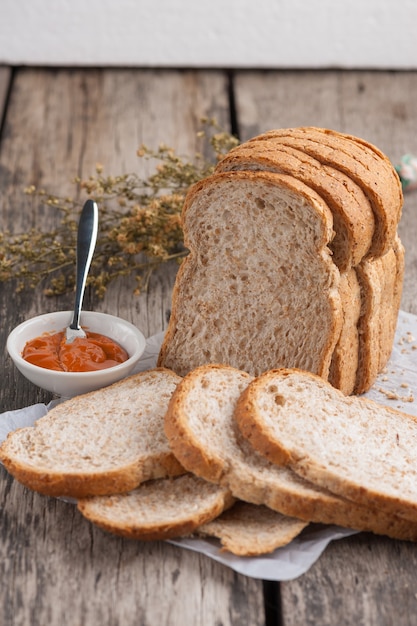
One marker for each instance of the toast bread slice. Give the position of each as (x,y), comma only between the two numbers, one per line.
(345,359)
(103,442)
(352,446)
(381,280)
(250,530)
(259,288)
(158,509)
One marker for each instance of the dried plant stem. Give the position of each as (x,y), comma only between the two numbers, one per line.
(140,223)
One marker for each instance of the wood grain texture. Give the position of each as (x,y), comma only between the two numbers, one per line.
(5,78)
(364,580)
(60,123)
(57,569)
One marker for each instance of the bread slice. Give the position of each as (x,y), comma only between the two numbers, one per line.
(259,288)
(158,509)
(205,438)
(394,282)
(250,530)
(370,148)
(351,446)
(345,359)
(353,218)
(367,167)
(106,441)
(371,297)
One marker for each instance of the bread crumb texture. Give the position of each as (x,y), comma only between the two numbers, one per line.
(155,502)
(238,298)
(249,530)
(100,429)
(158,509)
(352,446)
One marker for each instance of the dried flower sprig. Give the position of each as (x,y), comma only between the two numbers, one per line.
(140,224)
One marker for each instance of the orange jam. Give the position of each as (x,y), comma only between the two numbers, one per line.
(94,352)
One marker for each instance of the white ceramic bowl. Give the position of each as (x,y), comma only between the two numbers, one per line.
(68,384)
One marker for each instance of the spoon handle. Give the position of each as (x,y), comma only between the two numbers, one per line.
(86,242)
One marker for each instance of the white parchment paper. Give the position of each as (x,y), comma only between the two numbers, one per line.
(395,387)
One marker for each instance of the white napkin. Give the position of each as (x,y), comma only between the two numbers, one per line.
(396,387)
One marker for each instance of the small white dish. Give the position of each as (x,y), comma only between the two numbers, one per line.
(68,384)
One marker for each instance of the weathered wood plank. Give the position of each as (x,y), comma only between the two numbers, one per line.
(61,123)
(5,78)
(364,579)
(56,568)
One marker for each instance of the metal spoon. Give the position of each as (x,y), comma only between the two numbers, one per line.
(86,242)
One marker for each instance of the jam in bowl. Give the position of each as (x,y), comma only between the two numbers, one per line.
(110,353)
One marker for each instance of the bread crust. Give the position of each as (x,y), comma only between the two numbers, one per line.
(58,484)
(344,365)
(46,477)
(391,308)
(130,515)
(310,465)
(354,221)
(369,168)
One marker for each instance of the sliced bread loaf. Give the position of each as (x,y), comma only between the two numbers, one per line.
(158,509)
(369,305)
(205,438)
(351,446)
(259,288)
(249,530)
(106,441)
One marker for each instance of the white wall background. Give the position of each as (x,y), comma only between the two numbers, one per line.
(210,33)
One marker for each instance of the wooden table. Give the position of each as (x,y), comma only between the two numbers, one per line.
(55,567)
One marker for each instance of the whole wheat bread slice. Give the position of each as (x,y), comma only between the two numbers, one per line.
(393,288)
(158,509)
(353,218)
(344,365)
(106,441)
(381,280)
(366,166)
(205,438)
(259,288)
(351,446)
(250,530)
